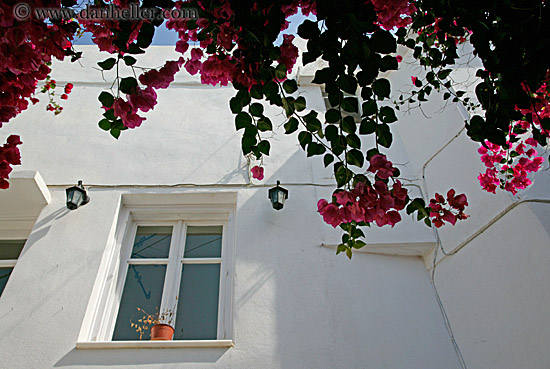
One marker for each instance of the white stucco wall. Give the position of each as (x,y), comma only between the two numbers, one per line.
(295,304)
(495,287)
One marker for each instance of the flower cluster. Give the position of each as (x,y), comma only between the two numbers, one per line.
(49,88)
(442,211)
(9,155)
(26,47)
(368,202)
(218,35)
(394,13)
(509,165)
(144,99)
(508,168)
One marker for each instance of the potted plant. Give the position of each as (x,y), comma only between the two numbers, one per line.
(161,325)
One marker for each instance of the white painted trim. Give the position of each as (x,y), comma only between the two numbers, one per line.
(202,260)
(396,249)
(159,261)
(8,263)
(154,344)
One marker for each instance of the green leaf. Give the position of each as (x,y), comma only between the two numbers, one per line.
(264,147)
(264,124)
(331,132)
(110,114)
(235,105)
(248,142)
(104,124)
(291,126)
(128,85)
(369,108)
(315,149)
(359,244)
(280,72)
(355,157)
(243,120)
(288,106)
(350,105)
(444,73)
(300,103)
(290,86)
(327,159)
(349,125)
(312,123)
(256,109)
(107,64)
(324,75)
(347,84)
(270,89)
(106,99)
(383,135)
(383,42)
(115,132)
(353,141)
(308,29)
(388,62)
(367,127)
(145,36)
(256,92)
(304,138)
(342,174)
(382,88)
(371,153)
(129,60)
(332,116)
(387,114)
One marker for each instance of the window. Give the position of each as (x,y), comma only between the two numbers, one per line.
(9,252)
(173,269)
(167,253)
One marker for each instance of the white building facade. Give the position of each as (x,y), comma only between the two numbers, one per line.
(175,222)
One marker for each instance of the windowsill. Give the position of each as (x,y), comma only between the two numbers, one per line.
(153,344)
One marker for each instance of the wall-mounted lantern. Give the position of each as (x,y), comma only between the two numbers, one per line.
(76,196)
(278,195)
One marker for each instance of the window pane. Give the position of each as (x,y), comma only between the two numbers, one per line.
(197,316)
(10,249)
(203,242)
(4,275)
(152,242)
(142,289)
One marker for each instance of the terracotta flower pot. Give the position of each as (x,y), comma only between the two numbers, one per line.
(162,332)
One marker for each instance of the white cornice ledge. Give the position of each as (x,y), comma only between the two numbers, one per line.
(397,249)
(154,344)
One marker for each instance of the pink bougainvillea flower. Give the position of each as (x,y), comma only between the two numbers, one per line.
(289,52)
(68,88)
(414,79)
(399,58)
(257,173)
(382,167)
(330,212)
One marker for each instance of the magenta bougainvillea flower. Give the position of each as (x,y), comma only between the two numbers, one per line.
(257,173)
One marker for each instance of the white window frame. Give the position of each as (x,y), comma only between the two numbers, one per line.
(10,263)
(99,321)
